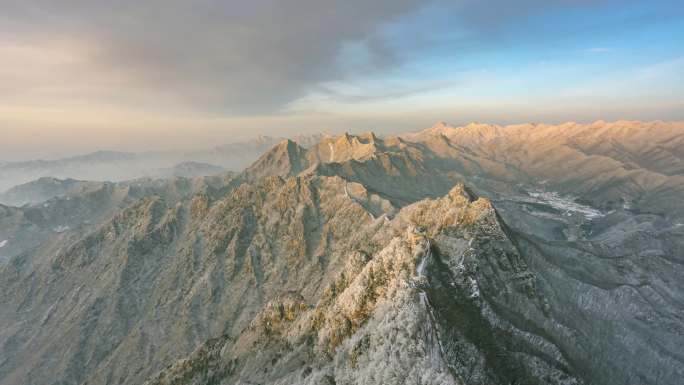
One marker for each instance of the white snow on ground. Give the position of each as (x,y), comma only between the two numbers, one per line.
(3,243)
(474,288)
(566,204)
(60,229)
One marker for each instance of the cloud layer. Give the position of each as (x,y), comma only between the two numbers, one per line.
(232,57)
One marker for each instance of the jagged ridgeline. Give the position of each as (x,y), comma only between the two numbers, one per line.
(404,306)
(448,256)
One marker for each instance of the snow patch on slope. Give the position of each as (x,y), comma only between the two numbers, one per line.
(61,228)
(566,204)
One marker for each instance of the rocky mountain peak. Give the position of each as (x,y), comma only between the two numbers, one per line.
(288,159)
(440,127)
(345,147)
(285,158)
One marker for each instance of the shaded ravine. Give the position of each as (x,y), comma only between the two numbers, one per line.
(437,353)
(460,312)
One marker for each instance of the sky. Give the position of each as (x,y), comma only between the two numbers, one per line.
(84,75)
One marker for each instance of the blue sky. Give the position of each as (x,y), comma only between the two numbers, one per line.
(613,54)
(134,75)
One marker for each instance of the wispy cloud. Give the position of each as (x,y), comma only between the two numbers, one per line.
(598,50)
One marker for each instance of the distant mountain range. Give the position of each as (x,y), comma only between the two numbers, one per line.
(117,166)
(528,254)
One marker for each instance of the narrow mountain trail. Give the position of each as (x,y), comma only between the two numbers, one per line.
(346,193)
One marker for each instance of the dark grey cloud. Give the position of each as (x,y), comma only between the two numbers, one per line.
(254,56)
(227,56)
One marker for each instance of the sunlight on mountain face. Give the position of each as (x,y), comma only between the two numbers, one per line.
(255,192)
